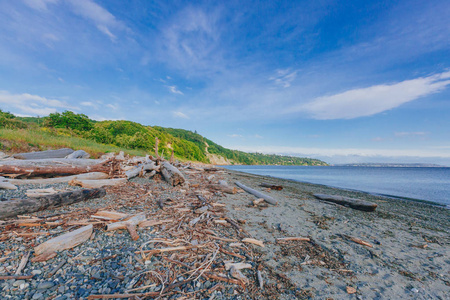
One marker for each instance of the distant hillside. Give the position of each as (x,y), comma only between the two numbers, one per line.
(68,129)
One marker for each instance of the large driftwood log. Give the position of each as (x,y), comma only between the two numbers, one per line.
(97,183)
(258,194)
(53,167)
(84,176)
(350,202)
(171,174)
(5,185)
(11,208)
(59,153)
(66,241)
(78,154)
(149,166)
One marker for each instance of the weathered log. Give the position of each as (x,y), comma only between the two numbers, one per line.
(171,174)
(5,185)
(62,242)
(350,202)
(40,192)
(254,242)
(59,153)
(90,184)
(78,154)
(271,186)
(87,176)
(258,194)
(11,208)
(149,166)
(222,188)
(53,167)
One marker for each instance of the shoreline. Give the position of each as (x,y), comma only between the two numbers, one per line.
(404,198)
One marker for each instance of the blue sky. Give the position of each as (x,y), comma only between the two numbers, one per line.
(345,81)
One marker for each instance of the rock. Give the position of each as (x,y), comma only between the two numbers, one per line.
(414,290)
(61,289)
(36,272)
(350,290)
(38,296)
(18,282)
(45,285)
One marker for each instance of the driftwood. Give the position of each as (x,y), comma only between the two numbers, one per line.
(89,176)
(78,154)
(109,215)
(59,153)
(295,238)
(149,166)
(271,186)
(258,194)
(5,185)
(254,242)
(222,188)
(11,208)
(350,202)
(90,184)
(40,192)
(53,167)
(129,224)
(356,240)
(62,242)
(171,174)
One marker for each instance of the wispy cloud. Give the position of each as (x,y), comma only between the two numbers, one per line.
(40,5)
(375,99)
(179,114)
(416,133)
(102,18)
(235,135)
(174,89)
(284,78)
(32,104)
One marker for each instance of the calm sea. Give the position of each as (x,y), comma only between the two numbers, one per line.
(432,184)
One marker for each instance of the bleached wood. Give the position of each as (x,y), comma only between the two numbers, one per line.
(88,176)
(109,215)
(59,153)
(65,241)
(237,266)
(129,224)
(171,174)
(149,223)
(253,241)
(258,194)
(5,185)
(97,183)
(40,192)
(78,154)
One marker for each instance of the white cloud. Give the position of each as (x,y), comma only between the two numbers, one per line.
(102,18)
(174,89)
(314,152)
(235,135)
(258,136)
(417,133)
(113,106)
(32,104)
(40,5)
(375,99)
(179,114)
(284,78)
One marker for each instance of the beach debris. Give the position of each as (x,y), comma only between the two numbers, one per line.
(254,242)
(171,174)
(90,184)
(68,240)
(271,186)
(6,185)
(78,154)
(109,215)
(357,240)
(350,290)
(11,208)
(46,181)
(40,192)
(256,193)
(222,188)
(294,238)
(23,263)
(260,279)
(349,202)
(129,224)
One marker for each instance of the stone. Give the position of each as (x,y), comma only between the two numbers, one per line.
(18,282)
(36,272)
(37,296)
(45,285)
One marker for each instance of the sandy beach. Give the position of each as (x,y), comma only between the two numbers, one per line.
(411,243)
(408,255)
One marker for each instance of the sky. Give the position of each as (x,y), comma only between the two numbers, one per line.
(342,81)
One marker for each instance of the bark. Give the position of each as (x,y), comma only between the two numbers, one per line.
(350,202)
(258,194)
(11,208)
(172,174)
(59,153)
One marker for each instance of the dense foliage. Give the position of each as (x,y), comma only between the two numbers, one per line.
(131,135)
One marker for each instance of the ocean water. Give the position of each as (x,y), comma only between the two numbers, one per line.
(431,184)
